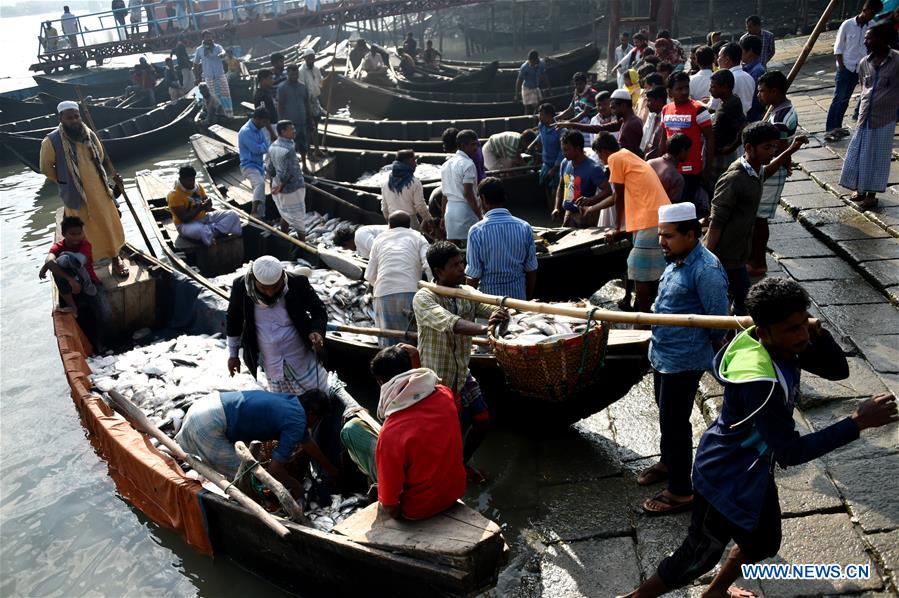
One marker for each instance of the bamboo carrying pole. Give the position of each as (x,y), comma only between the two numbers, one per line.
(249,462)
(109,166)
(137,418)
(600,315)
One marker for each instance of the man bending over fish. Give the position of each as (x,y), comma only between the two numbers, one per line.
(192,211)
(279,321)
(214,423)
(445,328)
(419,452)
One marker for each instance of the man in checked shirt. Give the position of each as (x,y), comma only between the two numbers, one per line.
(446,326)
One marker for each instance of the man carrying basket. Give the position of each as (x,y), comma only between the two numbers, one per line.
(446,326)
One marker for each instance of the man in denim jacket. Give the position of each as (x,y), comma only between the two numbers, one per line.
(694,282)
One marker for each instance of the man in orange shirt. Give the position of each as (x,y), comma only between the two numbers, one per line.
(637,194)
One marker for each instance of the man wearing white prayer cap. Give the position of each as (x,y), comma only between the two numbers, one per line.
(279,321)
(694,282)
(72,157)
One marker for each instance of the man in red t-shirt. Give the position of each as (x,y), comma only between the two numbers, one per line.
(419,452)
(71,262)
(683,115)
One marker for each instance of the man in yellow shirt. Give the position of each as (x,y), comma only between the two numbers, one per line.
(72,157)
(192,211)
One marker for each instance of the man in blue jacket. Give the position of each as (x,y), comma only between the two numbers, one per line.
(735,495)
(252,143)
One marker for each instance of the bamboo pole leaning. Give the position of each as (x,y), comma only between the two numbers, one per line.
(820,26)
(140,421)
(600,315)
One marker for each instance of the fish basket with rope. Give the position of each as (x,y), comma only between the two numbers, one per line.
(556,368)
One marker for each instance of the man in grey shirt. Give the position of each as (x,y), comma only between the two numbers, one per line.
(294,105)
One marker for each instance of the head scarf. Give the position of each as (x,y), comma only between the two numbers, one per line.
(404,390)
(400,176)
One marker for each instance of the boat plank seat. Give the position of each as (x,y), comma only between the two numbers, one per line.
(339,129)
(132,300)
(226,255)
(460,536)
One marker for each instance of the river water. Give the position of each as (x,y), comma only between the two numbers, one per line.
(63,528)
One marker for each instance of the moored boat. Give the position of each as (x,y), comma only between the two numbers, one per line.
(370,101)
(127,138)
(303,558)
(104,116)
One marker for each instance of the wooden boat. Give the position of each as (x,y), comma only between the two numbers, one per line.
(304,559)
(131,137)
(563,254)
(103,116)
(626,352)
(371,101)
(494,39)
(95,82)
(552,60)
(221,163)
(342,166)
(467,80)
(482,97)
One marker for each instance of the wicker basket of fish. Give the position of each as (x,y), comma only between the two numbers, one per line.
(547,357)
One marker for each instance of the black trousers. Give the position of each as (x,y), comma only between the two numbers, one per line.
(674,394)
(709,534)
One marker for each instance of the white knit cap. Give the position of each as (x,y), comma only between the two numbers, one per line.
(621,94)
(308,52)
(677,212)
(267,270)
(67,105)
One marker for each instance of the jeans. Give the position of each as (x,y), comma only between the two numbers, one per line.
(674,394)
(738,288)
(846,81)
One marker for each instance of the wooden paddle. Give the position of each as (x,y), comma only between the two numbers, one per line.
(107,163)
(133,414)
(602,315)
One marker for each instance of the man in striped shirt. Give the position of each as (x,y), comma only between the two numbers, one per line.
(502,257)
(754,27)
(503,150)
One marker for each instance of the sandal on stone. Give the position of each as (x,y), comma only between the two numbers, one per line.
(669,506)
(652,475)
(866,202)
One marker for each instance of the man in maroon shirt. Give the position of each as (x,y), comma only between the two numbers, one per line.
(628,124)
(419,453)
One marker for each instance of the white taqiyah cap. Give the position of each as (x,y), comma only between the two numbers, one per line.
(308,52)
(621,94)
(267,270)
(67,105)
(677,212)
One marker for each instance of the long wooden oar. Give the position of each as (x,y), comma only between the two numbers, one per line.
(133,414)
(601,315)
(332,77)
(820,26)
(107,162)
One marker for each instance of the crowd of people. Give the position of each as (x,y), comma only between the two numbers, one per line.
(688,158)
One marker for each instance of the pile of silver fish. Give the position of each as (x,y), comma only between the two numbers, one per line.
(325,517)
(533,329)
(424,172)
(320,229)
(166,377)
